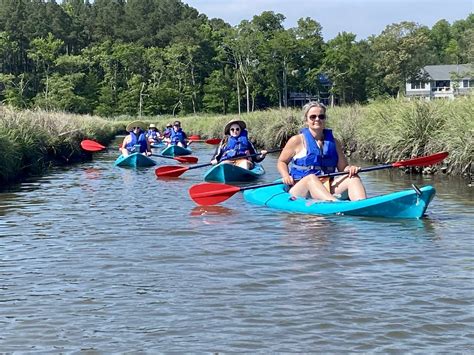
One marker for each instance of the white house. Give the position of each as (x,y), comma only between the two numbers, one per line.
(442,82)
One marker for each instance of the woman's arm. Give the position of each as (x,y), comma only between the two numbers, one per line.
(256,158)
(124,143)
(288,152)
(217,155)
(342,164)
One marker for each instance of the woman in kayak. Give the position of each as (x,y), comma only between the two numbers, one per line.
(136,141)
(236,144)
(167,133)
(153,134)
(315,151)
(178,137)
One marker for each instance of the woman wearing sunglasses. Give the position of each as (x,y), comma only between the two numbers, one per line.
(314,152)
(236,144)
(136,141)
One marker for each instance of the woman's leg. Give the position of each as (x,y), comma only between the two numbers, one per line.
(312,185)
(352,185)
(244,163)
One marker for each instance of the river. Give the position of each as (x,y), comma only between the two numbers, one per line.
(97,258)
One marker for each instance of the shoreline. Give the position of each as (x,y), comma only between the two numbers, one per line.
(381,132)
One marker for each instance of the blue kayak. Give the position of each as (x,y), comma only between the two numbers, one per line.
(404,204)
(157,145)
(232,173)
(175,150)
(134,160)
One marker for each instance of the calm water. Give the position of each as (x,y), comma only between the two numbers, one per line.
(98,258)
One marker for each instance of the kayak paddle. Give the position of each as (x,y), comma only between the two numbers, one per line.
(93,146)
(213,141)
(207,194)
(175,171)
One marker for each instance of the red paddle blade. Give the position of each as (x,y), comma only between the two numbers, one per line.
(422,161)
(208,194)
(91,146)
(170,171)
(213,141)
(195,137)
(191,160)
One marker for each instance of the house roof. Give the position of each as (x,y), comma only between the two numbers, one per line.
(443,72)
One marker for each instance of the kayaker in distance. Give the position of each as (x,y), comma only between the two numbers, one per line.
(178,137)
(235,144)
(167,133)
(153,134)
(314,152)
(136,140)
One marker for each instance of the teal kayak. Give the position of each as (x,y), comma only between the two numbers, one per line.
(157,145)
(232,173)
(175,150)
(403,204)
(134,160)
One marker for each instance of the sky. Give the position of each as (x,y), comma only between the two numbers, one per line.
(360,17)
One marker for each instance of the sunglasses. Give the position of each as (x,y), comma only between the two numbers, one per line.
(321,117)
(136,128)
(235,129)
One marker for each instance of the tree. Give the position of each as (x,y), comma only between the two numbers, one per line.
(343,64)
(310,52)
(44,52)
(440,37)
(401,51)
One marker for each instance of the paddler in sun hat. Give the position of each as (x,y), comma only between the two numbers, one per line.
(236,144)
(136,140)
(153,134)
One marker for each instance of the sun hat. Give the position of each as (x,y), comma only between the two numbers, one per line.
(241,124)
(169,125)
(152,125)
(136,124)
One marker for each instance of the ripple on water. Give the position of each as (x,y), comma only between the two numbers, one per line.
(97,258)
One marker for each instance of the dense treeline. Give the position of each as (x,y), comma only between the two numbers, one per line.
(149,57)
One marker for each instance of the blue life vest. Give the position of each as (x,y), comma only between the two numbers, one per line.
(152,134)
(141,140)
(236,146)
(178,136)
(316,161)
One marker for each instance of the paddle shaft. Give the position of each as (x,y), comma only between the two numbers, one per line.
(207,194)
(339,173)
(235,158)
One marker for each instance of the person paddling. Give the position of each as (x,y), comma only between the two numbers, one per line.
(136,141)
(153,134)
(236,144)
(167,133)
(315,151)
(178,137)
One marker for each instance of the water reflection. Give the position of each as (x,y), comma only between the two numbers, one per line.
(92,173)
(107,251)
(211,211)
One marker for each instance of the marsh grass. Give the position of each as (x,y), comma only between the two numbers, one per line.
(384,131)
(31,141)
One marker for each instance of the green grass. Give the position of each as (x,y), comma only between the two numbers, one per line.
(31,141)
(383,131)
